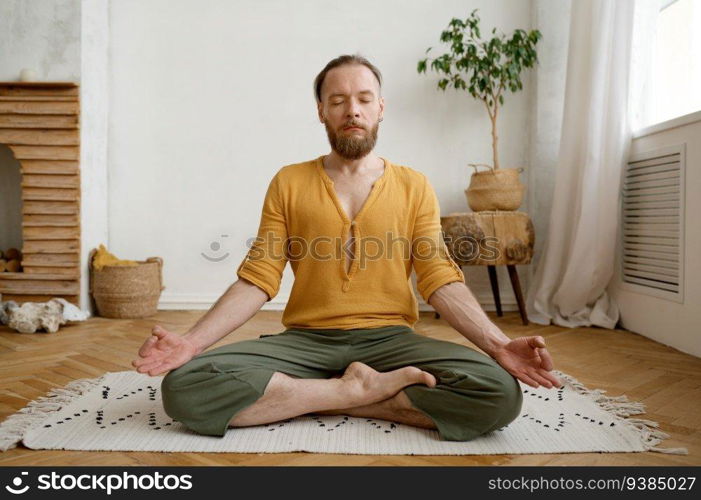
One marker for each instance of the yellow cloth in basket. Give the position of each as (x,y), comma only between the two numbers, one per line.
(104,258)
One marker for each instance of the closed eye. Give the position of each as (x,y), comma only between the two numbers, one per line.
(365,101)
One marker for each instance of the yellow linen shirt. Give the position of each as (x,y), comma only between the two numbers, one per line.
(397,229)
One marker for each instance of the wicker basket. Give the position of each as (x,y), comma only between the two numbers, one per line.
(499,189)
(128,291)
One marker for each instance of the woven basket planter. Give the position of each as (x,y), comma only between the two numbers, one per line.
(499,189)
(128,291)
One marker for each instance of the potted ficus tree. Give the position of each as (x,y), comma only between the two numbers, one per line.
(486,69)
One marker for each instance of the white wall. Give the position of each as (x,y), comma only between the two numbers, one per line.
(671,323)
(209,99)
(43,35)
(94,93)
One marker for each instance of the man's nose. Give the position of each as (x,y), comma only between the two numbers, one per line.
(353,108)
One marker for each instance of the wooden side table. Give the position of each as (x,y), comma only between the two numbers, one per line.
(491,239)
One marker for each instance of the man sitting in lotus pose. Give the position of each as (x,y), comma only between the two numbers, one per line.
(353,226)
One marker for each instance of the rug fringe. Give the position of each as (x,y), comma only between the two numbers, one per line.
(621,407)
(14,427)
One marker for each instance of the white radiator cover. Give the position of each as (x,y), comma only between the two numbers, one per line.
(652,223)
(669,317)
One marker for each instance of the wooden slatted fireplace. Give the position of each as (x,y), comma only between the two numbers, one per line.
(39,123)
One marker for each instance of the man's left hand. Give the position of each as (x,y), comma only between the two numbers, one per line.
(527,359)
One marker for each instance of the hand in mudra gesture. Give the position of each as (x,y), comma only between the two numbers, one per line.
(527,359)
(163,351)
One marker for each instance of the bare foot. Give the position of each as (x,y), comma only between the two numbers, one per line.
(391,404)
(365,386)
(397,408)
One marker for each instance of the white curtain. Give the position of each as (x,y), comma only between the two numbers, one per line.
(577,264)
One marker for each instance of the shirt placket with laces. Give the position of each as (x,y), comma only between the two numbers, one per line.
(353,225)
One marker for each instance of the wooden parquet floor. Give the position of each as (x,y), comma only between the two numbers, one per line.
(621,362)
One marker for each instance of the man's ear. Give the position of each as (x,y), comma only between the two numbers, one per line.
(320,111)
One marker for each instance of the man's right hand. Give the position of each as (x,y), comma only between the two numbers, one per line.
(163,351)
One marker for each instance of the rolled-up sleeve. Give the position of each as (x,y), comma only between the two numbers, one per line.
(433,264)
(266,259)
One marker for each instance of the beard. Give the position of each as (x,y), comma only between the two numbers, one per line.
(352,146)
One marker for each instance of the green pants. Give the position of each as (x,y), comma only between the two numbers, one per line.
(473,394)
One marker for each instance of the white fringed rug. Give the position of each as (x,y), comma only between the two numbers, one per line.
(122,411)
